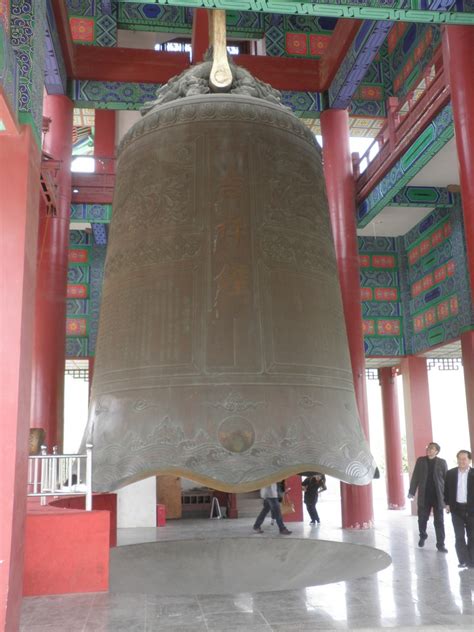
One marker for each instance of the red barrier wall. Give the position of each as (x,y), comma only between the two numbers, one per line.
(100,502)
(66,551)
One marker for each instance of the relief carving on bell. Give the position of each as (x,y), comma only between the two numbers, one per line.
(222,354)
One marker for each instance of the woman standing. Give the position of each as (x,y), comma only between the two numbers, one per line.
(312,486)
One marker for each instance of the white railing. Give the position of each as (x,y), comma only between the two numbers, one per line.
(61,475)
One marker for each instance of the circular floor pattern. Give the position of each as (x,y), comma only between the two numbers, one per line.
(232,565)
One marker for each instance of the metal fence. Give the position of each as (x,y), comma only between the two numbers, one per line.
(61,475)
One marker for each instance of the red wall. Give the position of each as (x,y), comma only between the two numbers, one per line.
(66,551)
(19,193)
(100,502)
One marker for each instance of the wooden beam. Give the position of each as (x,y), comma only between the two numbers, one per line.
(147,66)
(283,73)
(200,34)
(64,32)
(341,40)
(134,65)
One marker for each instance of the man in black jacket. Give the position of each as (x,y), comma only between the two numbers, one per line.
(459,499)
(428,477)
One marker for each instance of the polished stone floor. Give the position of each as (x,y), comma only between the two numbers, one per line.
(421,589)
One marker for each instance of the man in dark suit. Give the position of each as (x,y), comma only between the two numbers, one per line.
(428,478)
(459,499)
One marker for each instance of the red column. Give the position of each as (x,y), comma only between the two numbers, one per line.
(232,509)
(19,186)
(200,35)
(104,139)
(91,373)
(393,439)
(293,487)
(458,51)
(416,397)
(356,500)
(50,309)
(467,348)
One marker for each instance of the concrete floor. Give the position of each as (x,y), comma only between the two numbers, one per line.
(421,589)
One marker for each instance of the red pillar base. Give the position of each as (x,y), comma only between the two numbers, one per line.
(356,505)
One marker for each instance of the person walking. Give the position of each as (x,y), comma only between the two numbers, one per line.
(459,499)
(428,478)
(312,486)
(269,495)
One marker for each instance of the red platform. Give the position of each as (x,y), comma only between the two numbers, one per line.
(100,502)
(66,550)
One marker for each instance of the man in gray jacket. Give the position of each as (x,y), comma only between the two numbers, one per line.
(428,478)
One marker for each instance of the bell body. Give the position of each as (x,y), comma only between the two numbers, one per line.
(222,354)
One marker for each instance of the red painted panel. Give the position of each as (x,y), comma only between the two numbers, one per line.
(368,327)
(383,261)
(77,291)
(82,29)
(418,323)
(453,305)
(66,551)
(76,327)
(297,43)
(388,327)
(451,267)
(319,44)
(386,294)
(78,255)
(414,255)
(440,274)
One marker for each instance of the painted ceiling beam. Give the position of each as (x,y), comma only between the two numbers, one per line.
(99,232)
(55,71)
(354,67)
(341,41)
(375,10)
(423,196)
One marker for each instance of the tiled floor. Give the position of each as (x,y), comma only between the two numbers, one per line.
(422,589)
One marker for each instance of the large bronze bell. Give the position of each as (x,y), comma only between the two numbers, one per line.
(222,353)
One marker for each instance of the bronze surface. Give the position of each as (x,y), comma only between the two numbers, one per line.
(222,353)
